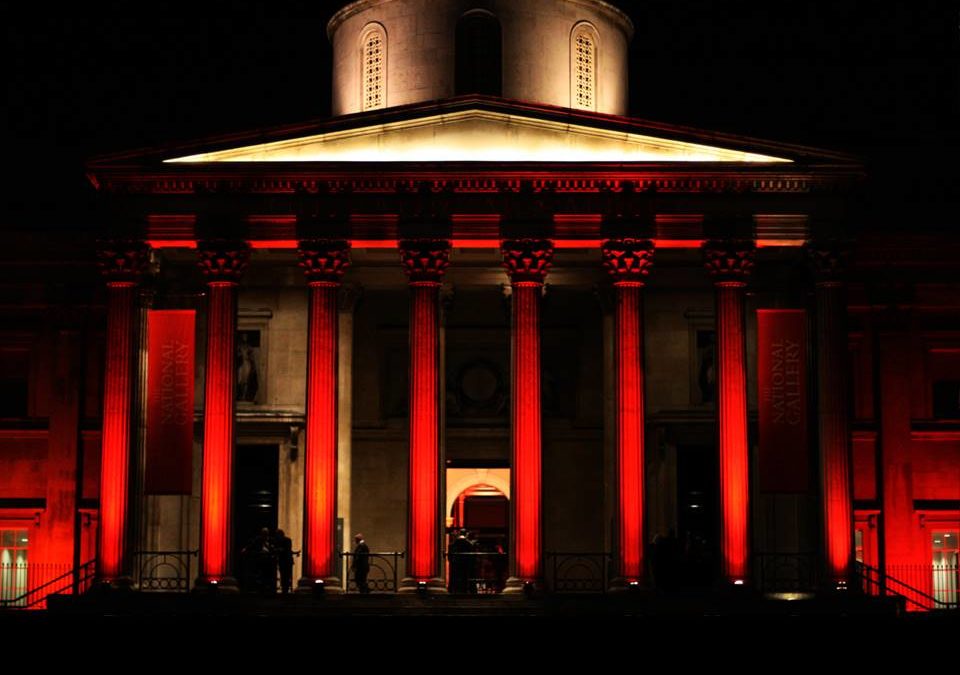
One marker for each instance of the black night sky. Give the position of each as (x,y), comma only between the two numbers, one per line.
(93,78)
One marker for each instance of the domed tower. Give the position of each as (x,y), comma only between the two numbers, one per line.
(568,53)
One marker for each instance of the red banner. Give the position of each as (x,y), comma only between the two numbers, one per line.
(170,357)
(782,378)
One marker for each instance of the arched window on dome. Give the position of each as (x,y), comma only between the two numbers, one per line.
(479,60)
(374,63)
(583,67)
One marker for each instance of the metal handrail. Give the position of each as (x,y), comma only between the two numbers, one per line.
(178,561)
(390,557)
(883,581)
(595,562)
(78,578)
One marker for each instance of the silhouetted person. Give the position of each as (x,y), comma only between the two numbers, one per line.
(284,552)
(666,561)
(460,563)
(260,562)
(361,563)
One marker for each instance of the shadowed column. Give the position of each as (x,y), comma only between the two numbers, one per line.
(730,264)
(628,262)
(526,262)
(324,263)
(121,263)
(222,264)
(833,426)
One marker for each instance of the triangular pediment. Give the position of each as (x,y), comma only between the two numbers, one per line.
(478,135)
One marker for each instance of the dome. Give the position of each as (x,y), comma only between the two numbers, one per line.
(568,53)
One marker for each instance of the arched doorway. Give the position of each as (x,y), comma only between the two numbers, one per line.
(477,539)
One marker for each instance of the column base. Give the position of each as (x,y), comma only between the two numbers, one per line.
(319,586)
(622,585)
(518,586)
(432,586)
(225,585)
(118,585)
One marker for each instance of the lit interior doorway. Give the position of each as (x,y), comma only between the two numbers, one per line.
(477,527)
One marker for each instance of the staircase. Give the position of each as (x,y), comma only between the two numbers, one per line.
(75,581)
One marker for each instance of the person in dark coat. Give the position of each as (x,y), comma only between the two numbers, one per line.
(461,563)
(283,547)
(361,563)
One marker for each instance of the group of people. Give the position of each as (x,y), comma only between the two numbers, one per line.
(473,567)
(681,563)
(265,555)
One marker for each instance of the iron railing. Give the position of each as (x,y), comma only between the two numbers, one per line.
(577,572)
(477,572)
(28,585)
(164,571)
(384,574)
(923,588)
(786,572)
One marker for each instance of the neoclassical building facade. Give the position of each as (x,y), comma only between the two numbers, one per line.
(482,297)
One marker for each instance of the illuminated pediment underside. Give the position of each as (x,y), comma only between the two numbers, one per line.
(479,136)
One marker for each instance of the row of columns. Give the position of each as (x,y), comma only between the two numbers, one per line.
(527,261)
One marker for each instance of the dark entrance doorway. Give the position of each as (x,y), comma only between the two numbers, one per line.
(698,520)
(255,503)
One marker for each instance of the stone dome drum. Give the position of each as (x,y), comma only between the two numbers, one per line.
(567,53)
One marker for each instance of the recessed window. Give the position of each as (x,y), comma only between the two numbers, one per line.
(13,397)
(374,68)
(583,83)
(946,400)
(478,61)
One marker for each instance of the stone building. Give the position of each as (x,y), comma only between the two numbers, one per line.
(482,297)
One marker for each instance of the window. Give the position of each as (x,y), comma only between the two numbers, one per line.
(583,85)
(374,67)
(946,400)
(13,563)
(946,573)
(479,67)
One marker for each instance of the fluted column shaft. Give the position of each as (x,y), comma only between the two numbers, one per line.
(424,262)
(324,263)
(628,261)
(730,263)
(836,489)
(527,262)
(223,265)
(121,264)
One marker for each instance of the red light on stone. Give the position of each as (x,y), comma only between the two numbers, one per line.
(628,261)
(730,263)
(117,413)
(425,262)
(320,472)
(527,262)
(218,431)
(324,263)
(222,264)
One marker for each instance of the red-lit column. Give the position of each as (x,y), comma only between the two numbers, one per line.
(424,261)
(121,264)
(526,262)
(730,264)
(833,424)
(324,263)
(223,263)
(628,262)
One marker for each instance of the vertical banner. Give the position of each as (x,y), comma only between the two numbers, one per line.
(782,375)
(170,356)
